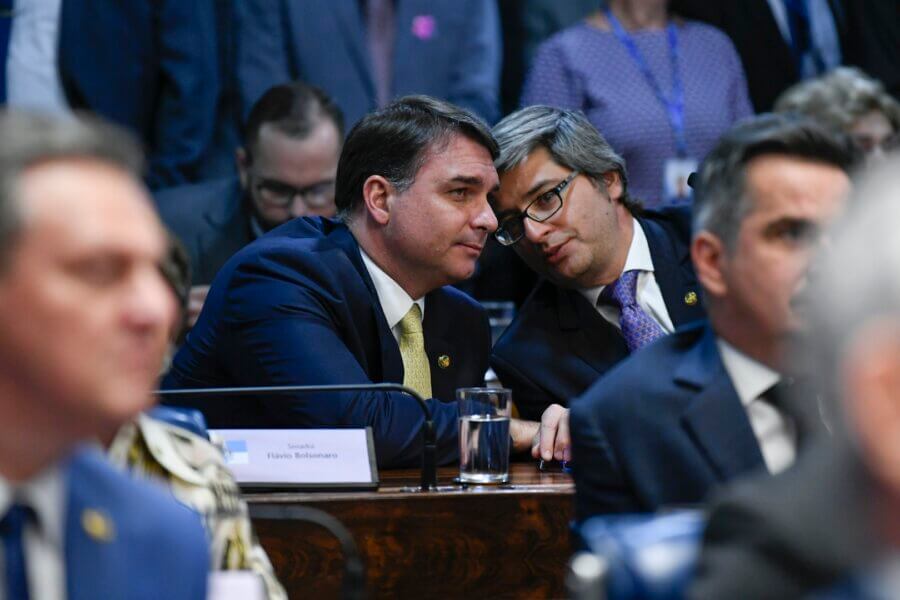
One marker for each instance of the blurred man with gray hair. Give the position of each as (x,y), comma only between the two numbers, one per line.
(833,518)
(703,406)
(615,277)
(85,315)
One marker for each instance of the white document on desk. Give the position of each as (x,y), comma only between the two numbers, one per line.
(300,458)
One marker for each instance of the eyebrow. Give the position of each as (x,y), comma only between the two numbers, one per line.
(533,189)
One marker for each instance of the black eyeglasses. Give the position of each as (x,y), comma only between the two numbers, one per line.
(512,227)
(281,195)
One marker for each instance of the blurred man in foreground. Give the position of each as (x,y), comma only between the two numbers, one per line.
(365,299)
(703,406)
(85,319)
(833,518)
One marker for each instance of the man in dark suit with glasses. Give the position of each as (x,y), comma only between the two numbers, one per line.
(286,169)
(615,276)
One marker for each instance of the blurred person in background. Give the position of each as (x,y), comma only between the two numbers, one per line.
(286,169)
(149,66)
(781,42)
(848,100)
(86,317)
(660,89)
(831,521)
(366,53)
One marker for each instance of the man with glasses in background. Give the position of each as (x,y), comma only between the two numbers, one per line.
(615,277)
(286,169)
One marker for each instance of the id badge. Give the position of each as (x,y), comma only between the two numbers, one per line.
(675,176)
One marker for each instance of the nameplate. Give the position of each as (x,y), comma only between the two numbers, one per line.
(300,458)
(235,585)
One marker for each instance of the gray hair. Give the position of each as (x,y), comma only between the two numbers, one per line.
(569,138)
(857,279)
(28,139)
(839,98)
(721,201)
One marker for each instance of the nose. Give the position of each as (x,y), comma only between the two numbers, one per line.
(152,305)
(485,218)
(298,206)
(535,231)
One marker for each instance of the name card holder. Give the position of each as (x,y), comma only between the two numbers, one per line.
(300,459)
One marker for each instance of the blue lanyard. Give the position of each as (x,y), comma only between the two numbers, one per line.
(674,105)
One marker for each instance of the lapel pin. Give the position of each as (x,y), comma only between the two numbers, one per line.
(97,525)
(690,298)
(443,361)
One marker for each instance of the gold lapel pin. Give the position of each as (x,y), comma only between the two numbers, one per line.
(690,298)
(97,525)
(443,361)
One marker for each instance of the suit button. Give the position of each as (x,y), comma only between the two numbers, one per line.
(443,361)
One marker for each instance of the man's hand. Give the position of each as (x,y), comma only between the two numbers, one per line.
(195,303)
(548,439)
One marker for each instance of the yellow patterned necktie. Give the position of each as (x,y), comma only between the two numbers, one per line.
(416,372)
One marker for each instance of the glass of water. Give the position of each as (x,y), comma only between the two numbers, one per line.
(484,434)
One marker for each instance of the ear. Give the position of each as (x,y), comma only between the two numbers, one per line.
(870,376)
(377,192)
(708,253)
(613,182)
(242,161)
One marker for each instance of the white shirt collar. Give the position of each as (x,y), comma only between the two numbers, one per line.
(751,378)
(45,494)
(394,300)
(638,259)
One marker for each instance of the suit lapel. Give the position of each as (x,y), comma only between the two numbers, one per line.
(591,337)
(715,420)
(391,361)
(229,231)
(673,273)
(91,552)
(350,20)
(437,327)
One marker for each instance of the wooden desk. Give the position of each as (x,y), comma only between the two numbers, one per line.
(485,542)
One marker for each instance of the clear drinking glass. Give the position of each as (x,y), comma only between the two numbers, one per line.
(484,434)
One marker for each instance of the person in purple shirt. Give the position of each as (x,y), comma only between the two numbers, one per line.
(660,89)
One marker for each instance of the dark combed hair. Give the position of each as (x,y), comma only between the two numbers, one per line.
(394,143)
(294,109)
(720,200)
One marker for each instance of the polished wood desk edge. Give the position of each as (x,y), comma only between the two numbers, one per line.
(525,480)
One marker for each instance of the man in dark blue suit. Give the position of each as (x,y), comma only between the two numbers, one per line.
(151,67)
(564,207)
(85,317)
(363,53)
(286,169)
(702,406)
(364,299)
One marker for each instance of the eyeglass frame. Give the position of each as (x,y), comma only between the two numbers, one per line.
(556,190)
(305,193)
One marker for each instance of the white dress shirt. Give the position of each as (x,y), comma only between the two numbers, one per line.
(649,296)
(43,539)
(775,433)
(394,300)
(32,72)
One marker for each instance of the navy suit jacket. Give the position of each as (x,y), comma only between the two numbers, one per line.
(151,67)
(663,428)
(297,306)
(212,221)
(454,53)
(155,548)
(558,344)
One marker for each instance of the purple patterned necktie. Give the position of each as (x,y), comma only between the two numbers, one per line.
(638,328)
